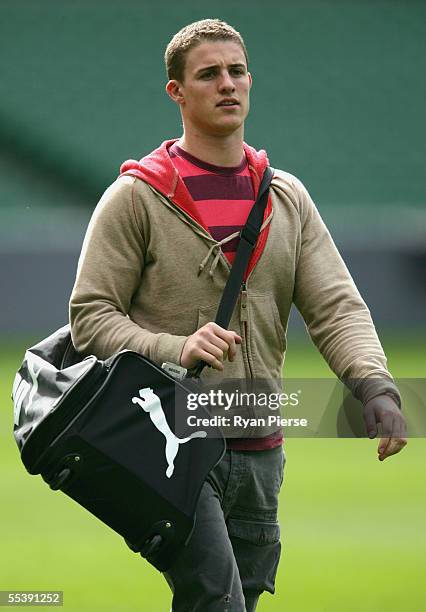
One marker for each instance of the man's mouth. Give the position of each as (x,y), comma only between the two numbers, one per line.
(228,102)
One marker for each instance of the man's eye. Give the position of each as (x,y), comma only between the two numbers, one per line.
(237,71)
(208,75)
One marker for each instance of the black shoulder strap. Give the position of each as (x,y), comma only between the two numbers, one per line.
(248,237)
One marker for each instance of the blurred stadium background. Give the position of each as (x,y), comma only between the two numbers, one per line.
(338,100)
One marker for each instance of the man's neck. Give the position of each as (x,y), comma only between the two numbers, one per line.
(226,151)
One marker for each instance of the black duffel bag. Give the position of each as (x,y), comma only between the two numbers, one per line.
(87,427)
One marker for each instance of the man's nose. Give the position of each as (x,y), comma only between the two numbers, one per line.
(226,83)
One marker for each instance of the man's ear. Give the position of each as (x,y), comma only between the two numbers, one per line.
(174,90)
(250,79)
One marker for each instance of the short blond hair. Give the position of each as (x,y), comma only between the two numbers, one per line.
(192,35)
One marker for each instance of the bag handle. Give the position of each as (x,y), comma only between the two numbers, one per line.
(248,238)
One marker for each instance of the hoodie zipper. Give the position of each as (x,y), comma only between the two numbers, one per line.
(244,320)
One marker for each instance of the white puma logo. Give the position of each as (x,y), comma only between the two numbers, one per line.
(150,402)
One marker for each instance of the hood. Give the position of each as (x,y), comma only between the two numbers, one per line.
(157,170)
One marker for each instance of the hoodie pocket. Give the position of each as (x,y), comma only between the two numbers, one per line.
(206,314)
(266,336)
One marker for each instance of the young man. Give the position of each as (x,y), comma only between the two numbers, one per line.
(154,263)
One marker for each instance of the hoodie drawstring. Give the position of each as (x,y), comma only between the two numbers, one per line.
(218,246)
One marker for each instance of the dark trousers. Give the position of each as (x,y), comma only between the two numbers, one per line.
(233,553)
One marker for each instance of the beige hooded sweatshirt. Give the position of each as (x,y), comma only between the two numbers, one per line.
(149,275)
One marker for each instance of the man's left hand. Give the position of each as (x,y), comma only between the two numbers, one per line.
(384,410)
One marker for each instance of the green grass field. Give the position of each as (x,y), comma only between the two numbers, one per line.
(353,529)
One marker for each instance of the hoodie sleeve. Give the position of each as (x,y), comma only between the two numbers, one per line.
(336,316)
(109,271)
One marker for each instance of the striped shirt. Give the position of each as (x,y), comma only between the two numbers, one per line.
(223,196)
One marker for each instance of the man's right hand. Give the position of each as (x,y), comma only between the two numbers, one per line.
(211,344)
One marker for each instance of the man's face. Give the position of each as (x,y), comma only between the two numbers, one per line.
(214,94)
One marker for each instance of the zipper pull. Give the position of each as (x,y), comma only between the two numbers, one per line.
(243,309)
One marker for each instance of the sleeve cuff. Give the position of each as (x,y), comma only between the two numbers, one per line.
(169,348)
(367,388)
